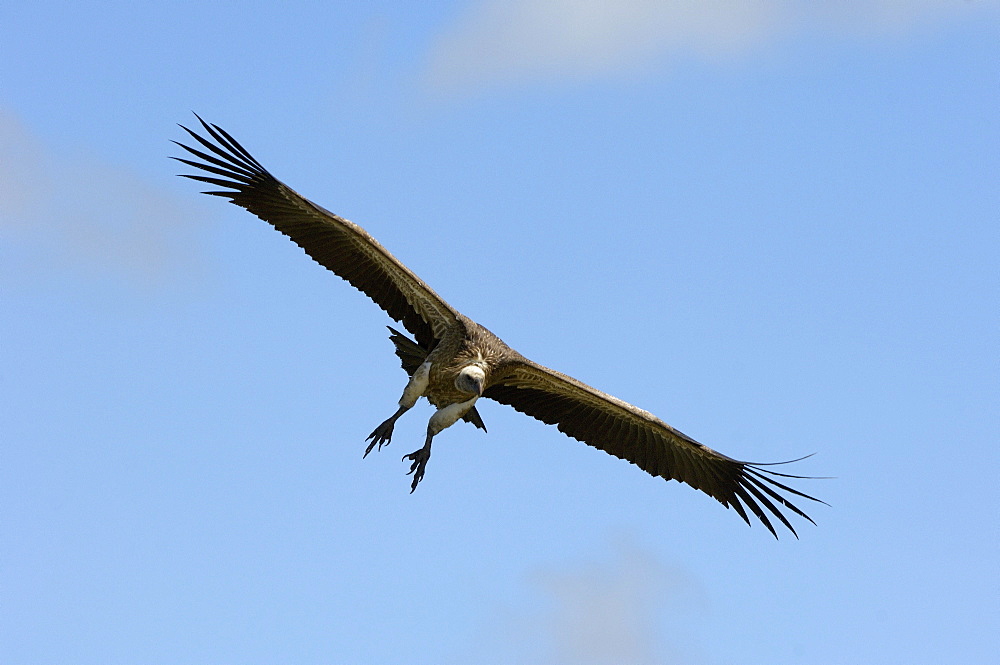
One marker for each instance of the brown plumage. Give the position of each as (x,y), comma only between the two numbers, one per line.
(454,360)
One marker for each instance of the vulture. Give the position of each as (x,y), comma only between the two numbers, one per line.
(453,361)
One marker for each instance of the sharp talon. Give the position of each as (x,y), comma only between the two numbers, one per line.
(380,437)
(418,466)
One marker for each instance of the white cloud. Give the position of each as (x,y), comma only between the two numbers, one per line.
(605,614)
(622,610)
(511,41)
(62,212)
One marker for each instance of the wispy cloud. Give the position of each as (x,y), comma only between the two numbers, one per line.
(599,613)
(512,41)
(62,212)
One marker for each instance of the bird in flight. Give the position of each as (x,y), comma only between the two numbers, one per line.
(454,361)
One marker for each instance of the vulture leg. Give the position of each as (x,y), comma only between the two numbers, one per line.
(411,393)
(444,417)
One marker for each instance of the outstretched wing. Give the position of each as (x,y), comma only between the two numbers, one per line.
(632,434)
(334,242)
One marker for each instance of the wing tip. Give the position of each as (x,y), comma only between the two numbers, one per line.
(764,494)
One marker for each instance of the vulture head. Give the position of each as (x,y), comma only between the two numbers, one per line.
(472,379)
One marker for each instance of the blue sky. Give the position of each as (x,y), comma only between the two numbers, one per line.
(773,225)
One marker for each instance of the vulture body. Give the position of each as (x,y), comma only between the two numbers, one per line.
(455,361)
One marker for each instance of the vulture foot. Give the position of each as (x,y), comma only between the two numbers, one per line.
(419,464)
(381,436)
